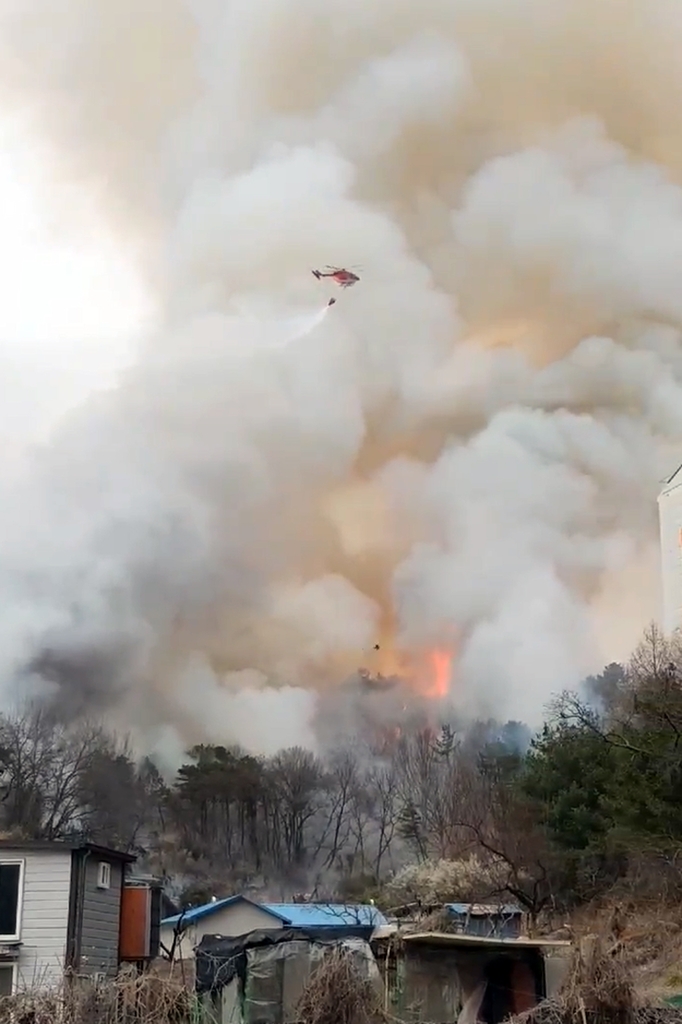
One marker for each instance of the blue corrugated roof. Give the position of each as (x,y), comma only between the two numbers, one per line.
(296,915)
(319,915)
(196,913)
(483,909)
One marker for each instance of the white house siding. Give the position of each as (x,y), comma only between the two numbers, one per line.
(239,919)
(670,522)
(44,916)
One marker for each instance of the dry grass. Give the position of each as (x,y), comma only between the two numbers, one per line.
(600,989)
(337,993)
(554,1012)
(650,936)
(144,999)
(599,983)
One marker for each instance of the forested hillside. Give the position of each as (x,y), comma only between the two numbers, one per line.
(595,802)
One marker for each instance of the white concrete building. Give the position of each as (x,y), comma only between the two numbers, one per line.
(670,522)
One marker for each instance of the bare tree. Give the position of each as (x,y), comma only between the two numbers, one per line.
(510,841)
(116,806)
(381,783)
(433,781)
(298,782)
(334,823)
(43,763)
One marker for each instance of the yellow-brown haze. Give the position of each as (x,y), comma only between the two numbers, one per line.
(469,444)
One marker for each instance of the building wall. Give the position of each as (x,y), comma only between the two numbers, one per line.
(431,986)
(557,964)
(670,524)
(433,983)
(44,915)
(101,912)
(239,919)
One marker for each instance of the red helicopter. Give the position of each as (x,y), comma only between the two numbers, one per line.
(343,277)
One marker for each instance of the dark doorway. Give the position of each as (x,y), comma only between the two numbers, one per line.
(498,1001)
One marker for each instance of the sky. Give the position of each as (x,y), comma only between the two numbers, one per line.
(72,303)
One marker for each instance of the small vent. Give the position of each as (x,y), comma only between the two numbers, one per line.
(103,875)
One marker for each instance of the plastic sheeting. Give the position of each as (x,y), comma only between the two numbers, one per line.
(259,978)
(276,976)
(219,959)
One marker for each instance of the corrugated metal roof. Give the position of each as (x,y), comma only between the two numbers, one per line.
(448,939)
(197,913)
(484,909)
(297,915)
(63,844)
(317,915)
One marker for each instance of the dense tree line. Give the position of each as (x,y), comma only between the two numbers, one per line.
(593,802)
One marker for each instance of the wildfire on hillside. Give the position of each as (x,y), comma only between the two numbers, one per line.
(398,706)
(427,673)
(396,694)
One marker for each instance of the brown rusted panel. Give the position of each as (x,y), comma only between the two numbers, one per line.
(135,923)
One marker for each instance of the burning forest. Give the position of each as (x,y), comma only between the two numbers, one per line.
(457,458)
(313,594)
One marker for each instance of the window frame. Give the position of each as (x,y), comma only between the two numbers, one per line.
(103,875)
(11,862)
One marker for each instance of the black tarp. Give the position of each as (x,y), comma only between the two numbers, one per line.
(218,959)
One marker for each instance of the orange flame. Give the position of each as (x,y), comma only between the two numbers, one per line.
(428,672)
(440,665)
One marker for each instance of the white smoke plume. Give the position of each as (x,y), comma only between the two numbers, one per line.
(463,453)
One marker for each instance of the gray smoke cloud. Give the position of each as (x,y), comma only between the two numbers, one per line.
(462,454)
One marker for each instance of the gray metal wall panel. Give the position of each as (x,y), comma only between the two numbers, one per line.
(100,920)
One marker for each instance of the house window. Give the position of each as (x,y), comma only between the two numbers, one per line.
(103,875)
(11,893)
(6,979)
